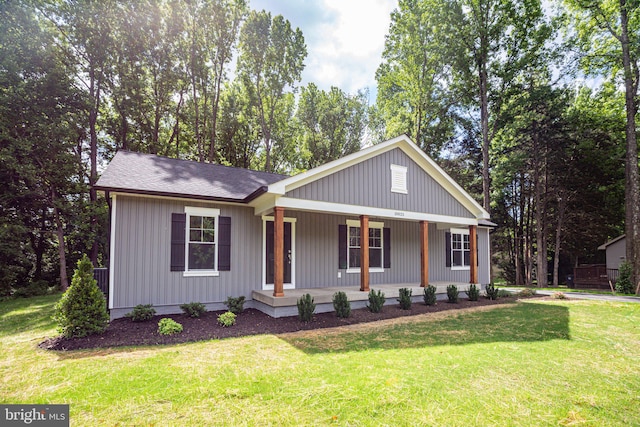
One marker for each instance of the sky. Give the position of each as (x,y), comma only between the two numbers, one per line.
(344,39)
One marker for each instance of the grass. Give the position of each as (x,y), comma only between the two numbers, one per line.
(570,290)
(532,363)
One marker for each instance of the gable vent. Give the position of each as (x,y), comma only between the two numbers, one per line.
(398,179)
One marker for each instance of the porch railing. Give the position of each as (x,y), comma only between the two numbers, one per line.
(594,276)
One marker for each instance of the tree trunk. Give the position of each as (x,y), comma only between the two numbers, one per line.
(93,155)
(562,207)
(64,281)
(632,191)
(484,122)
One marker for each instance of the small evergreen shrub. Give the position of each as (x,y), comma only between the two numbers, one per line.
(306,307)
(33,289)
(527,292)
(376,301)
(624,285)
(558,295)
(430,295)
(235,305)
(341,305)
(141,313)
(473,293)
(82,310)
(227,319)
(491,291)
(503,293)
(405,298)
(168,326)
(193,309)
(452,293)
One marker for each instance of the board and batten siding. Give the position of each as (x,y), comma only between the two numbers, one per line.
(369,184)
(142,255)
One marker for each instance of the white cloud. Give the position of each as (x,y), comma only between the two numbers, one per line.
(345,38)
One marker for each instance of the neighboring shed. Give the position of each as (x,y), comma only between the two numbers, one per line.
(616,252)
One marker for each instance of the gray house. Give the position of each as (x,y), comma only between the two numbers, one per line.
(616,252)
(385,217)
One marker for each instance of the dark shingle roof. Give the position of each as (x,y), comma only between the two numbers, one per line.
(131,172)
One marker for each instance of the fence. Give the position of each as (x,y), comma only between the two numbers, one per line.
(101,274)
(594,276)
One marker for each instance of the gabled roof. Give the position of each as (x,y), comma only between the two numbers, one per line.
(611,242)
(137,173)
(402,142)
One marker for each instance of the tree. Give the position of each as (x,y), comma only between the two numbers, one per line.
(608,34)
(271,62)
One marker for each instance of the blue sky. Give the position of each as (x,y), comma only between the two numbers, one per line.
(344,38)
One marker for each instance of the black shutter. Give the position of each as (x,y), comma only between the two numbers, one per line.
(342,246)
(224,243)
(386,238)
(178,224)
(447,245)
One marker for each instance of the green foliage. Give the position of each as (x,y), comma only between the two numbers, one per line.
(227,319)
(306,307)
(341,305)
(168,326)
(82,310)
(193,309)
(405,298)
(430,295)
(503,293)
(35,288)
(376,301)
(623,284)
(527,292)
(558,295)
(491,291)
(452,293)
(235,305)
(473,293)
(141,313)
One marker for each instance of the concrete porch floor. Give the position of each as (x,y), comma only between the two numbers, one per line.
(324,296)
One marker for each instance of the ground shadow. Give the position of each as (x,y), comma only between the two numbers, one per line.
(523,322)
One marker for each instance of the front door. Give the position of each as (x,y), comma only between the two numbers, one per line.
(270,256)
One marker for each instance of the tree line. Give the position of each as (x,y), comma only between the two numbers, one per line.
(486,87)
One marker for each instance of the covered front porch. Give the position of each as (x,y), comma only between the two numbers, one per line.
(286,305)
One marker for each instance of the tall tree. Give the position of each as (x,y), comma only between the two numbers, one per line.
(270,64)
(609,33)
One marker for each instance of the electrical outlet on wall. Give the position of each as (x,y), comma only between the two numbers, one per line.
(339,275)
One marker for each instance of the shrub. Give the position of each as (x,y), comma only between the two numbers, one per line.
(306,307)
(82,310)
(235,305)
(193,309)
(503,293)
(227,319)
(430,295)
(168,326)
(452,293)
(527,292)
(405,298)
(491,291)
(558,295)
(473,293)
(141,313)
(341,305)
(624,285)
(33,289)
(376,301)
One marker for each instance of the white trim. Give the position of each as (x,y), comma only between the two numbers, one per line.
(372,224)
(462,231)
(402,142)
(340,208)
(181,199)
(371,270)
(112,250)
(269,286)
(398,179)
(198,211)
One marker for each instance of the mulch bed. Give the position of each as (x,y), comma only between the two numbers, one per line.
(124,332)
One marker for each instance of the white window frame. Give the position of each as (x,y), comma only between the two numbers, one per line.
(399,179)
(208,212)
(351,223)
(463,232)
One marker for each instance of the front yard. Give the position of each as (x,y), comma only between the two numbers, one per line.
(532,363)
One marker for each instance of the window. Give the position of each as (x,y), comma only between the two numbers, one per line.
(202,247)
(375,246)
(460,249)
(398,179)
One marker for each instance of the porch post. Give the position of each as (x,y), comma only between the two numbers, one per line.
(278,251)
(364,253)
(473,258)
(424,253)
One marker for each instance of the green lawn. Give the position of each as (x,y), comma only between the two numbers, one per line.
(532,363)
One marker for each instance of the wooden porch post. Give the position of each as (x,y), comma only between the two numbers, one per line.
(364,253)
(473,258)
(278,251)
(424,253)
